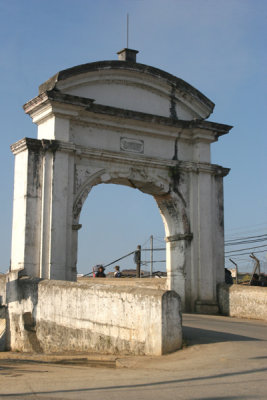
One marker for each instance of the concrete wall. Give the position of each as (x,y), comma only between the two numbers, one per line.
(243,301)
(2,312)
(2,289)
(55,316)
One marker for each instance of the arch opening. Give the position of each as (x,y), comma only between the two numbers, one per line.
(115,219)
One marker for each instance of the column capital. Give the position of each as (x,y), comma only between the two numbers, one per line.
(34,145)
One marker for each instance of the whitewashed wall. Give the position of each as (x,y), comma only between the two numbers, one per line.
(54,316)
(243,301)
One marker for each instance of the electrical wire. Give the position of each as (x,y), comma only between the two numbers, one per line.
(243,254)
(247,237)
(247,248)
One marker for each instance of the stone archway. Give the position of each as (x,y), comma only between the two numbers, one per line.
(172,209)
(125,123)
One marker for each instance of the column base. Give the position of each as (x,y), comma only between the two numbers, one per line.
(206,307)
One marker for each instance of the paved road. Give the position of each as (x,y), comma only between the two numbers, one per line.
(223,358)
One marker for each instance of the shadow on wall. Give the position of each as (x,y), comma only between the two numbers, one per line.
(3,313)
(223,298)
(22,292)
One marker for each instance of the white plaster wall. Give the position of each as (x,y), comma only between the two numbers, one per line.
(160,146)
(61,216)
(201,152)
(54,128)
(26,212)
(94,317)
(2,289)
(243,301)
(206,285)
(132,90)
(19,210)
(124,96)
(2,328)
(218,228)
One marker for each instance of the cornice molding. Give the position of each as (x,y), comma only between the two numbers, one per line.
(69,106)
(36,145)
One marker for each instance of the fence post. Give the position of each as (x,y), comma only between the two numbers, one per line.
(137,257)
(257,266)
(151,256)
(236,270)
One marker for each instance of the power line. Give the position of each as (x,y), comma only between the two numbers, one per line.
(246,227)
(248,239)
(250,231)
(247,248)
(243,254)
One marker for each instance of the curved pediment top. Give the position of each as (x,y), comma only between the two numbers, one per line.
(133,86)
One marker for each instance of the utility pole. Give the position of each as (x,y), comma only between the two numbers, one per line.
(151,256)
(137,259)
(236,270)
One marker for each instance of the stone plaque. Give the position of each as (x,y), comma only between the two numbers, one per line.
(132,145)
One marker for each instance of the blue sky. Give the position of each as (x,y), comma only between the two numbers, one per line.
(218,46)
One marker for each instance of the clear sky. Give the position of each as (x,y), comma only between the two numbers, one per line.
(218,46)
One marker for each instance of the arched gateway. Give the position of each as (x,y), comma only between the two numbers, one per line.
(130,124)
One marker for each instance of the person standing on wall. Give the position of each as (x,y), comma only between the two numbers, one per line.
(100,273)
(117,273)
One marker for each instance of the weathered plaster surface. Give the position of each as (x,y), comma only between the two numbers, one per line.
(132,86)
(243,301)
(2,289)
(53,316)
(2,312)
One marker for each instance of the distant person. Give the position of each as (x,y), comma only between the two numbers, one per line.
(100,273)
(95,270)
(228,276)
(262,280)
(255,280)
(117,273)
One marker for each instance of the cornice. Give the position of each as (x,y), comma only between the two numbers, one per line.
(36,145)
(80,108)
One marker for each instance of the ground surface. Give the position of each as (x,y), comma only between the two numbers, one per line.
(224,358)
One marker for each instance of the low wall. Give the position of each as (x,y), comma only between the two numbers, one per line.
(2,289)
(54,316)
(243,301)
(2,328)
(2,312)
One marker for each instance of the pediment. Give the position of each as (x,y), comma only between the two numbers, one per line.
(134,87)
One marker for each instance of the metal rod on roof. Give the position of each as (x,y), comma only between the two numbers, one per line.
(127,44)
